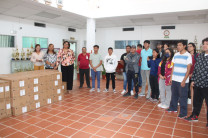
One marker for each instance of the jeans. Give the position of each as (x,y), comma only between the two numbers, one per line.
(108,77)
(97,75)
(140,77)
(145,77)
(181,94)
(125,82)
(132,76)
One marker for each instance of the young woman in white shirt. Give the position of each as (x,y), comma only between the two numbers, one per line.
(37,58)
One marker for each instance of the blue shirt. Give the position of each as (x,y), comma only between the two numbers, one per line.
(144,55)
(153,64)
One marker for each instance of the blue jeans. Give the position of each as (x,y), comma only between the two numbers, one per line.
(125,82)
(140,77)
(181,94)
(97,75)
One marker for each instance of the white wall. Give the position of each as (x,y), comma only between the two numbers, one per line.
(54,33)
(105,37)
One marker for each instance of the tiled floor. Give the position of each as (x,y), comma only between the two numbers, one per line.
(83,114)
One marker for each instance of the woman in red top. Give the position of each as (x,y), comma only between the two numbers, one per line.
(192,51)
(66,58)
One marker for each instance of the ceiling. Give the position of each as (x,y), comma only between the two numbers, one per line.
(30,10)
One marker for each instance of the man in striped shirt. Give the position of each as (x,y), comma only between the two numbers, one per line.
(180,79)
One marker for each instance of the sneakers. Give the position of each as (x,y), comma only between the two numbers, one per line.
(181,116)
(170,111)
(106,90)
(114,90)
(155,100)
(164,106)
(80,87)
(159,105)
(192,118)
(132,92)
(127,94)
(123,92)
(141,95)
(136,96)
(98,90)
(92,90)
(189,101)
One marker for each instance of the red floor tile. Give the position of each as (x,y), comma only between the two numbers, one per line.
(42,133)
(67,132)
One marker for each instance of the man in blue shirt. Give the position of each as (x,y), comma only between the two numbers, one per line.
(145,71)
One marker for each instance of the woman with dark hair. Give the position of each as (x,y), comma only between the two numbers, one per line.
(50,57)
(37,58)
(164,73)
(165,46)
(192,51)
(66,58)
(153,63)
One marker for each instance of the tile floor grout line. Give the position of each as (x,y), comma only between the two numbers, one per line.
(81,118)
(94,120)
(144,120)
(158,123)
(131,116)
(174,127)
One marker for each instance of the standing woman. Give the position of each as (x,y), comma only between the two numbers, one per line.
(50,57)
(37,58)
(66,58)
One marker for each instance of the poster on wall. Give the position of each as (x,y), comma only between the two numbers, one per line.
(28,42)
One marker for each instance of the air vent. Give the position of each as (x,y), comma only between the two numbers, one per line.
(40,24)
(167,27)
(128,29)
(71,29)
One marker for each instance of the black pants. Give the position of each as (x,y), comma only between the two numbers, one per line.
(67,75)
(82,73)
(112,77)
(132,75)
(189,90)
(154,86)
(199,95)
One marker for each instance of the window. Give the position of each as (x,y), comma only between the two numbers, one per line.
(27,42)
(7,41)
(121,44)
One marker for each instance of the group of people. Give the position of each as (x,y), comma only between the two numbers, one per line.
(172,78)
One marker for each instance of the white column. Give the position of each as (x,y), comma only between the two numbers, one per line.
(90,34)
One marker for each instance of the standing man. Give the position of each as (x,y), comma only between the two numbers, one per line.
(159,47)
(200,83)
(132,70)
(182,62)
(145,71)
(83,66)
(139,49)
(128,49)
(95,63)
(110,65)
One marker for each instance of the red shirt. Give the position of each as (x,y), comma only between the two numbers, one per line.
(193,63)
(84,61)
(139,52)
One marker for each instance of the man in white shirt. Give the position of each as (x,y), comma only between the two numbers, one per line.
(182,62)
(110,65)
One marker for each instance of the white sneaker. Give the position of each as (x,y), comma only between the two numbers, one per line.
(132,92)
(114,90)
(189,101)
(160,105)
(98,90)
(123,92)
(92,90)
(164,106)
(106,90)
(141,94)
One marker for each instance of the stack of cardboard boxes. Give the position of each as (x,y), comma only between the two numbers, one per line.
(34,89)
(5,102)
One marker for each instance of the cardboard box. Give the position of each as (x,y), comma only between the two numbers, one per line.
(2,104)
(18,101)
(57,98)
(20,110)
(64,87)
(8,107)
(4,89)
